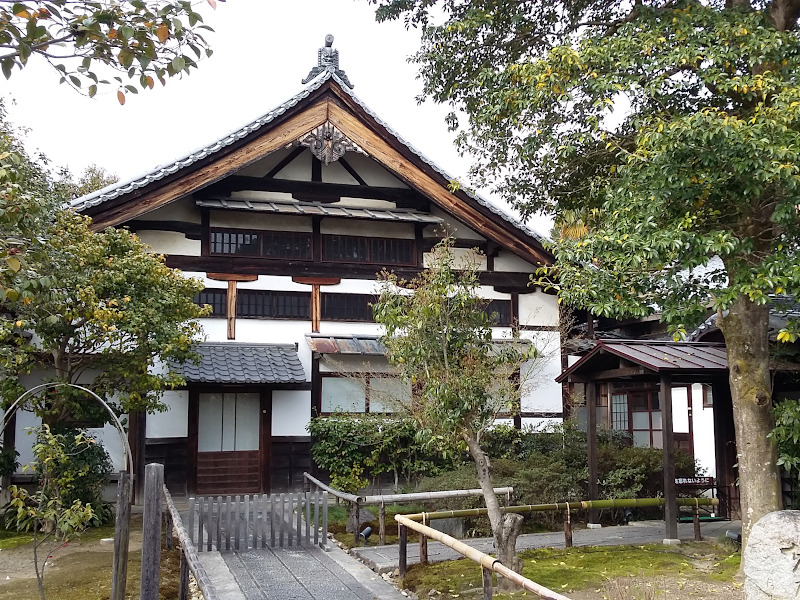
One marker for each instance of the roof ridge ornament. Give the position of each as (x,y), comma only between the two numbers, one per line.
(328,60)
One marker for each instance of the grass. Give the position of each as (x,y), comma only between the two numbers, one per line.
(565,571)
(339,514)
(84,572)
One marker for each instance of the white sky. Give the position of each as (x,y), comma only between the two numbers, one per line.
(262,50)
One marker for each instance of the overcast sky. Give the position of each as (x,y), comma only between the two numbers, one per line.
(262,50)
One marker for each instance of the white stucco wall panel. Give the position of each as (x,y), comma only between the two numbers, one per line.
(538,308)
(372,172)
(253,220)
(173,422)
(183,210)
(336,173)
(264,165)
(170,242)
(540,391)
(291,412)
(509,262)
(703,430)
(462,257)
(24,438)
(453,227)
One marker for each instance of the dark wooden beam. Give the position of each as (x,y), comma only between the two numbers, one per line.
(285,161)
(332,192)
(591,444)
(193,231)
(353,173)
(266,266)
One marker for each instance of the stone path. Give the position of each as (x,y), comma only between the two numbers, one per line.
(385,559)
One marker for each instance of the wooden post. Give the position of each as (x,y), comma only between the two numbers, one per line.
(151,531)
(670,495)
(591,443)
(403,549)
(567,529)
(487,583)
(382,522)
(698,535)
(169,542)
(355,518)
(122,531)
(423,543)
(183,584)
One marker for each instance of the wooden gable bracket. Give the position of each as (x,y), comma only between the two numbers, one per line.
(316,296)
(231,278)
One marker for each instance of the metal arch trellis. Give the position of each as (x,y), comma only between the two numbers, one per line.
(36,389)
(122,528)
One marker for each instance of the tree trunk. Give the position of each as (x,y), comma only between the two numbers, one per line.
(505,528)
(746,331)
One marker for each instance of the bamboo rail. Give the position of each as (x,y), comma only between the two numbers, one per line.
(486,561)
(580,505)
(382,499)
(189,556)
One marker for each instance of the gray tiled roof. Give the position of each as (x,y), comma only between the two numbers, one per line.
(118,189)
(244,363)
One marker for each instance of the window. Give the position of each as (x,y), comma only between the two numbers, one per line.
(370,393)
(268,244)
(379,251)
(240,243)
(501,311)
(217,299)
(639,413)
(347,307)
(273,305)
(228,422)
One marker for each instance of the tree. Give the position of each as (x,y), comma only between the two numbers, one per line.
(113,315)
(142,40)
(439,338)
(675,127)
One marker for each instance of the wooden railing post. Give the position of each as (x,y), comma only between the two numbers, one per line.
(382,522)
(403,550)
(183,584)
(122,531)
(151,531)
(355,520)
(567,529)
(423,543)
(698,535)
(325,520)
(487,583)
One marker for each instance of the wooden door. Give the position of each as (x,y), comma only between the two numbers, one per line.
(231,442)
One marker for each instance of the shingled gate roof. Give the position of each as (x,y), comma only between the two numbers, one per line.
(231,363)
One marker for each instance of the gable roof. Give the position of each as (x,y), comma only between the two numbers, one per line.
(325,100)
(656,356)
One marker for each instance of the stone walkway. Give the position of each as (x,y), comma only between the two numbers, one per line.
(384,559)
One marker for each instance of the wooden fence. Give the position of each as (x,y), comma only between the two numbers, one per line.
(239,523)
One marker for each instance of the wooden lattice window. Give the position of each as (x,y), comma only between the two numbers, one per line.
(241,243)
(217,299)
(347,307)
(273,304)
(500,311)
(378,251)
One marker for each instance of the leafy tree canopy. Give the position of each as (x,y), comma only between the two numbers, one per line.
(112,315)
(672,127)
(142,40)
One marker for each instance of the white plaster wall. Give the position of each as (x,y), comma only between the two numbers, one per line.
(170,242)
(538,308)
(109,437)
(539,424)
(403,231)
(282,197)
(254,220)
(298,170)
(373,172)
(291,412)
(174,421)
(352,286)
(346,328)
(509,262)
(461,257)
(540,390)
(24,439)
(264,165)
(489,293)
(453,227)
(703,428)
(336,173)
(183,210)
